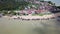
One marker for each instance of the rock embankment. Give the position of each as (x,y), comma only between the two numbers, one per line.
(45,17)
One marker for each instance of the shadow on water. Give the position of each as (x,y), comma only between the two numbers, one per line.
(53,28)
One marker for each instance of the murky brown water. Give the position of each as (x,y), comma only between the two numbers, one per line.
(11,26)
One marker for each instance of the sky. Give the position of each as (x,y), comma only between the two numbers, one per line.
(57,2)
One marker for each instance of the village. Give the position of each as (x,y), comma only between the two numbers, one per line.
(43,11)
(29,17)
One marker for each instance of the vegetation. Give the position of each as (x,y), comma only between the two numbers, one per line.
(12,4)
(37,14)
(51,3)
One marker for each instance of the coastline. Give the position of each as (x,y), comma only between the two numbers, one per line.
(45,17)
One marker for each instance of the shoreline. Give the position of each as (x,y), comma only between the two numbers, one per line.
(45,17)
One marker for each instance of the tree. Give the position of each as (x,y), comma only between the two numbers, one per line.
(12,4)
(8,4)
(50,2)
